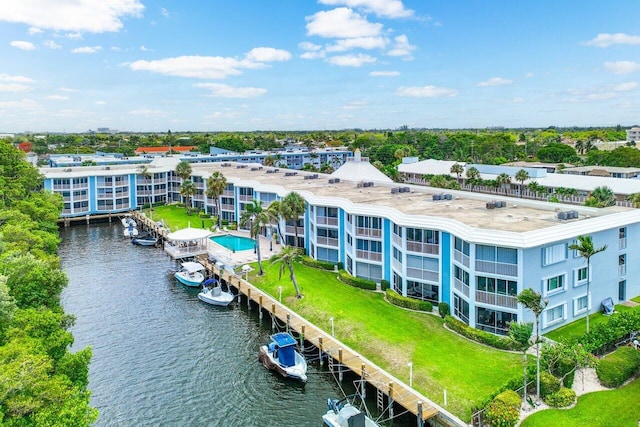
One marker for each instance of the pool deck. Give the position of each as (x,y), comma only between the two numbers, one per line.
(238,258)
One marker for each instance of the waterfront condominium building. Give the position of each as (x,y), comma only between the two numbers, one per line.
(475,252)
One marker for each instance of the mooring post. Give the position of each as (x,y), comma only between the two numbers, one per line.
(109,217)
(320,351)
(288,320)
(87,217)
(302,338)
(420,421)
(391,400)
(273,316)
(340,364)
(249,298)
(260,302)
(364,384)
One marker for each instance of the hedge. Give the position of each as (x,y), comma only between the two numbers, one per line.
(443,309)
(480,336)
(396,299)
(618,366)
(314,263)
(549,384)
(357,281)
(560,399)
(603,337)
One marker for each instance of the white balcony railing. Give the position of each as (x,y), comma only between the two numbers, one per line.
(371,256)
(461,287)
(368,232)
(327,241)
(425,248)
(326,220)
(497,268)
(496,299)
(461,258)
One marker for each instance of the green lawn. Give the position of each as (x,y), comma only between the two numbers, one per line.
(604,408)
(579,327)
(176,218)
(391,337)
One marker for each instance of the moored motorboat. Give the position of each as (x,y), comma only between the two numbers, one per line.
(130,231)
(342,413)
(146,240)
(128,221)
(190,274)
(280,355)
(213,294)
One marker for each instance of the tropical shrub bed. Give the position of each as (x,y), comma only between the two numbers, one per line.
(562,398)
(483,337)
(619,366)
(313,263)
(504,409)
(357,281)
(603,337)
(396,299)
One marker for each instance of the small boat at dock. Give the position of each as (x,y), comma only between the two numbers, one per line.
(213,294)
(190,274)
(342,413)
(145,240)
(280,355)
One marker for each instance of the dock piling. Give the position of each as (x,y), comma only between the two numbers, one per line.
(340,364)
(320,351)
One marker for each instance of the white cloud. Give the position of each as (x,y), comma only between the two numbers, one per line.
(93,16)
(23,104)
(426,92)
(309,46)
(16,79)
(351,60)
(222,115)
(87,49)
(495,81)
(625,87)
(517,100)
(67,89)
(226,91)
(57,97)
(20,44)
(100,103)
(33,30)
(386,8)
(622,67)
(402,47)
(164,12)
(144,48)
(14,87)
(341,23)
(355,105)
(52,45)
(313,55)
(529,75)
(267,54)
(202,67)
(601,96)
(384,73)
(149,112)
(607,39)
(358,43)
(74,36)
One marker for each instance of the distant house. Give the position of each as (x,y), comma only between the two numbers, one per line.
(633,134)
(160,151)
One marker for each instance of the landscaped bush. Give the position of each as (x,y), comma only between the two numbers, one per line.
(504,410)
(549,384)
(483,337)
(204,215)
(384,285)
(443,309)
(618,366)
(357,281)
(313,263)
(396,299)
(566,370)
(560,399)
(602,337)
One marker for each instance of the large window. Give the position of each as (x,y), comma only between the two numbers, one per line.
(369,222)
(497,286)
(461,246)
(581,275)
(369,245)
(555,284)
(494,321)
(423,291)
(326,254)
(369,271)
(423,236)
(554,254)
(554,314)
(397,283)
(424,268)
(460,308)
(497,260)
(580,305)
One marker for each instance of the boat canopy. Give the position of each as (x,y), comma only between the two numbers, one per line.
(188,234)
(192,267)
(208,282)
(286,348)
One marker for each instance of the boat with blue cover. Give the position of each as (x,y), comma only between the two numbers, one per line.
(280,355)
(213,294)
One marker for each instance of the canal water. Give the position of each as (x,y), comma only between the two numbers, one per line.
(161,357)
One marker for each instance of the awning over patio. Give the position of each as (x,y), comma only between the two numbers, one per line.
(188,234)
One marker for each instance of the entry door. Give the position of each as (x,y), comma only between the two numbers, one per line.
(622,290)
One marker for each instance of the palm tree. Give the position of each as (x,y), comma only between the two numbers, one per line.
(457,168)
(287,256)
(535,188)
(521,176)
(147,175)
(216,185)
(520,333)
(258,219)
(502,180)
(601,197)
(183,170)
(275,214)
(534,302)
(293,205)
(586,249)
(188,189)
(634,199)
(473,176)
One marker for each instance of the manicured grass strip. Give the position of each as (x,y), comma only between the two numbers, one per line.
(602,409)
(579,327)
(391,337)
(176,218)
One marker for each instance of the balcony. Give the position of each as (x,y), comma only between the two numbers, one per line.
(496,299)
(290,229)
(622,243)
(417,273)
(371,256)
(246,197)
(368,232)
(461,258)
(425,248)
(397,240)
(327,241)
(226,207)
(461,287)
(228,193)
(62,187)
(396,265)
(326,220)
(497,268)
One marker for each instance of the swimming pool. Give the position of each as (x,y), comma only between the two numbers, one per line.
(234,243)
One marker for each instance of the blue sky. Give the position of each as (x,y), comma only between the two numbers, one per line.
(242,65)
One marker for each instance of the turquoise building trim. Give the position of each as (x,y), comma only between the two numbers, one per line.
(445,262)
(387,250)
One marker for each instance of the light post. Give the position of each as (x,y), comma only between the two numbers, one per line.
(410,365)
(333,331)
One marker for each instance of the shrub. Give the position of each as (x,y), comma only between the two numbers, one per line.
(340,265)
(313,263)
(384,285)
(560,399)
(602,337)
(566,370)
(396,299)
(357,281)
(504,410)
(549,384)
(618,366)
(480,336)
(443,309)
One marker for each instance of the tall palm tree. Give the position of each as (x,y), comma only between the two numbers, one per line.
(601,197)
(502,180)
(188,189)
(521,176)
(586,249)
(275,214)
(294,205)
(457,168)
(183,170)
(520,333)
(473,176)
(634,199)
(258,219)
(287,256)
(534,302)
(216,185)
(147,175)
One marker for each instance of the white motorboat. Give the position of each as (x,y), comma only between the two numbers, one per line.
(130,231)
(146,240)
(128,221)
(213,294)
(281,356)
(342,413)
(190,274)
